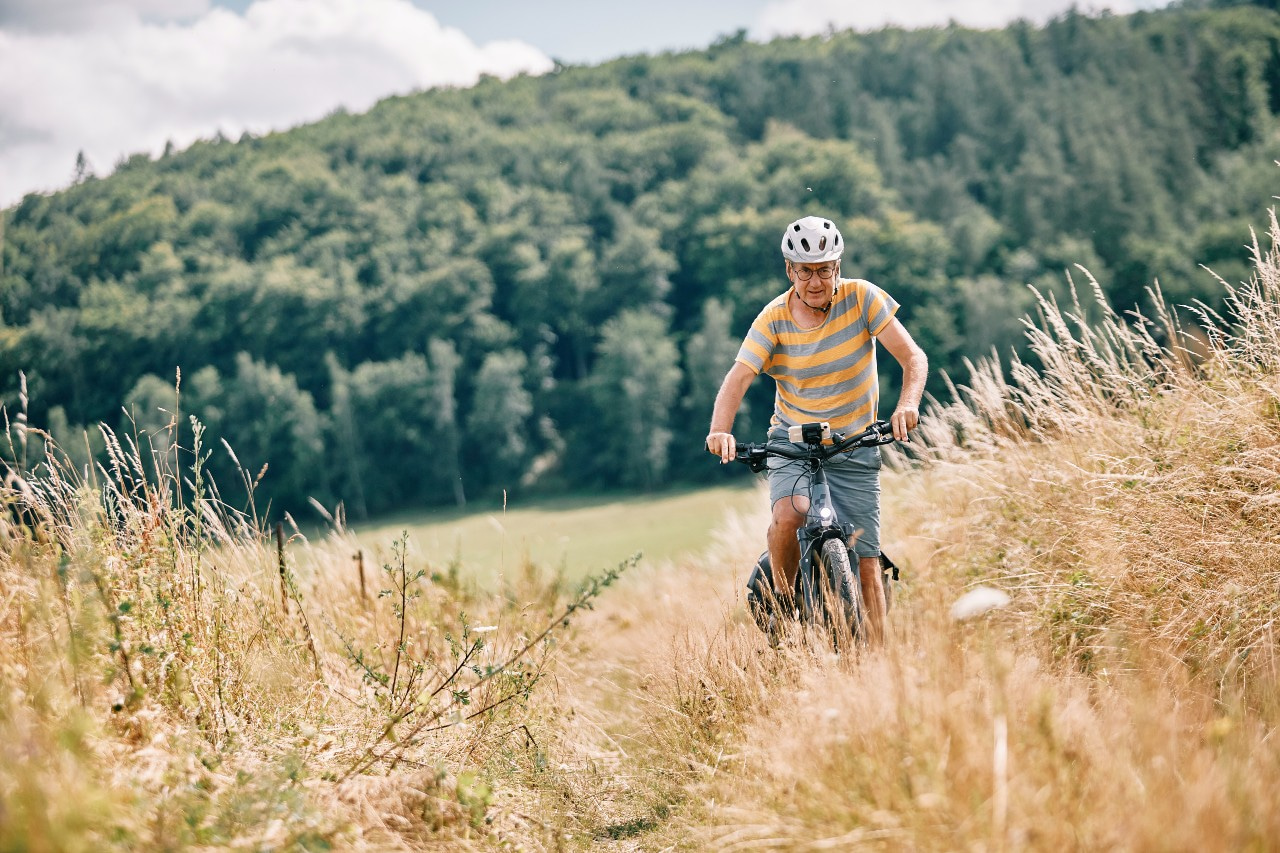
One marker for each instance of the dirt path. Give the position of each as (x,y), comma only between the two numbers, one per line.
(634,740)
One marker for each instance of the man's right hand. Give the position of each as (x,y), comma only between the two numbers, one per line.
(722,444)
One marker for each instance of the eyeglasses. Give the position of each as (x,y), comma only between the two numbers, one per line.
(806,273)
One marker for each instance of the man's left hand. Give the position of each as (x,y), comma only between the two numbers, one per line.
(903,421)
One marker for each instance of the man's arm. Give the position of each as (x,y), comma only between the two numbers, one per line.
(720,440)
(915,369)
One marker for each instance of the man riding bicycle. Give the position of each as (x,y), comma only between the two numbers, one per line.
(817,341)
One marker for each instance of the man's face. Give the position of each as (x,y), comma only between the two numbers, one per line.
(817,290)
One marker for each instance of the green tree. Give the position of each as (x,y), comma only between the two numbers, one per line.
(446,437)
(114,245)
(384,414)
(273,436)
(499,423)
(709,352)
(344,439)
(634,384)
(426,242)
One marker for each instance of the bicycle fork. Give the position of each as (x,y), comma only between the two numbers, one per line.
(820,526)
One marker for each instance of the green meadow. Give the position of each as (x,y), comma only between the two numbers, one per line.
(577,535)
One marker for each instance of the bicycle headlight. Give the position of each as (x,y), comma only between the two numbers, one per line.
(825,512)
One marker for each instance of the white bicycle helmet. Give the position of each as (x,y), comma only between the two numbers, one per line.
(812,240)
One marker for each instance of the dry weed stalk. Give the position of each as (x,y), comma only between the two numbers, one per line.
(1149,507)
(1124,493)
(143,623)
(1121,491)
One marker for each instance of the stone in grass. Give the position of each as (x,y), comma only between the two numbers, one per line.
(978,601)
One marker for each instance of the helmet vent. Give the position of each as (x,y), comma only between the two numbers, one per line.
(805,244)
(826,225)
(796,226)
(822,244)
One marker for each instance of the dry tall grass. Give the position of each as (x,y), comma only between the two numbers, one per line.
(173,676)
(163,685)
(1123,494)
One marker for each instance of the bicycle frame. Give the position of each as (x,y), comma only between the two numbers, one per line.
(821,521)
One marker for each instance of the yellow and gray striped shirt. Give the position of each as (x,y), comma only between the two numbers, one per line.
(827,373)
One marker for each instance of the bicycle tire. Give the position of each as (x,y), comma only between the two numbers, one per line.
(769,614)
(761,602)
(838,602)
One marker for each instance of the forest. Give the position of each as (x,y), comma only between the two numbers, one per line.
(535,286)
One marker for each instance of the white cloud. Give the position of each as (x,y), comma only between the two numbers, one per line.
(283,62)
(811,17)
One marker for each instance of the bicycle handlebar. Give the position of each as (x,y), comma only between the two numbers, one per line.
(880,432)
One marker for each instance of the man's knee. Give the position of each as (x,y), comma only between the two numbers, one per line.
(787,517)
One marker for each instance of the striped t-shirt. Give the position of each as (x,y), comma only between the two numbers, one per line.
(827,373)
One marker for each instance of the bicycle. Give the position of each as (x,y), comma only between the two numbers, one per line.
(828,588)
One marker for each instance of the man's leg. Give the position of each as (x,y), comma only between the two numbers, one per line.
(869,570)
(784,549)
(855,489)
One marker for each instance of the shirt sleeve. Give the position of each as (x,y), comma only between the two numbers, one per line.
(757,348)
(878,309)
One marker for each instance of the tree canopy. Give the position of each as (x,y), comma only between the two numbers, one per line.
(536,284)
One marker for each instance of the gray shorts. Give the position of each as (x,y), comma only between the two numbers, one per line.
(854,479)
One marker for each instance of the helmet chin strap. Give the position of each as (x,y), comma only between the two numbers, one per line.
(823,309)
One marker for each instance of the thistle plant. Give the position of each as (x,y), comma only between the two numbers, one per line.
(477,680)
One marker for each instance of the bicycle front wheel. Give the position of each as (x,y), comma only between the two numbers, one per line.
(841,593)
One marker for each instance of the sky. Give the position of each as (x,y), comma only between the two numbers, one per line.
(112,78)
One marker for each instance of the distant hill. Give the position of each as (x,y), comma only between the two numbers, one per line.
(538,284)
